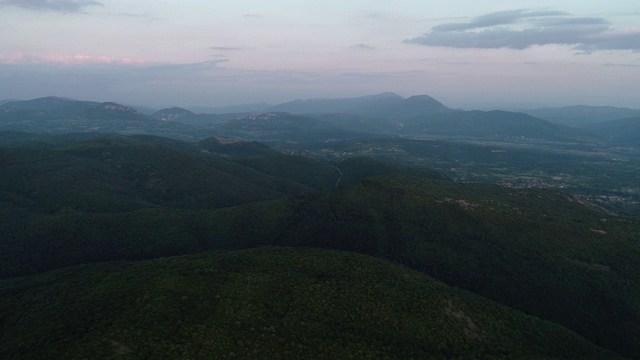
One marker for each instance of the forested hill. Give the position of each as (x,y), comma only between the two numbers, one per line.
(548,254)
(270,303)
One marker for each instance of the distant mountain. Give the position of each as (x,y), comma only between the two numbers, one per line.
(113,110)
(625,130)
(583,115)
(61,115)
(385,114)
(59,104)
(272,126)
(385,105)
(4,101)
(495,124)
(49,103)
(336,105)
(188,117)
(171,114)
(413,106)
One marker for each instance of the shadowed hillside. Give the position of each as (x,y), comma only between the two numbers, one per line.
(492,125)
(130,198)
(621,130)
(265,304)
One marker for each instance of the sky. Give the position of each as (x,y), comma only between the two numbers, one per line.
(467,54)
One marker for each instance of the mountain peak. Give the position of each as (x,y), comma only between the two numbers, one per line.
(111,106)
(422,97)
(171,114)
(112,110)
(43,103)
(383,105)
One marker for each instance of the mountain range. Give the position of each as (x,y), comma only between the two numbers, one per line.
(385,114)
(620,130)
(583,115)
(385,105)
(61,115)
(492,125)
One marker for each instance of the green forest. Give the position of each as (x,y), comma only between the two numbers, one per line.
(143,247)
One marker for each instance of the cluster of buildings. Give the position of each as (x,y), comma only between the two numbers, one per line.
(533,184)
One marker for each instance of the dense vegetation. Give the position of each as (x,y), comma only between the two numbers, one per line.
(120,197)
(265,304)
(78,200)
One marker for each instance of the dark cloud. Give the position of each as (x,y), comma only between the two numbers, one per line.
(362,47)
(52,5)
(571,22)
(492,31)
(497,18)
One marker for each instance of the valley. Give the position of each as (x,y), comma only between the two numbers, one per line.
(606,174)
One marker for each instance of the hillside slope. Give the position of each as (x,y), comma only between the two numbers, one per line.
(491,124)
(538,251)
(118,173)
(265,304)
(58,116)
(385,105)
(542,252)
(621,130)
(583,115)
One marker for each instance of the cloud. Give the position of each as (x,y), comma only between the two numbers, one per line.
(362,47)
(497,18)
(66,6)
(521,29)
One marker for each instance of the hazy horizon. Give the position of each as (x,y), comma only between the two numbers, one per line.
(466,54)
(237,107)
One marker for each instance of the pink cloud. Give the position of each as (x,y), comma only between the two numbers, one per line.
(20,58)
